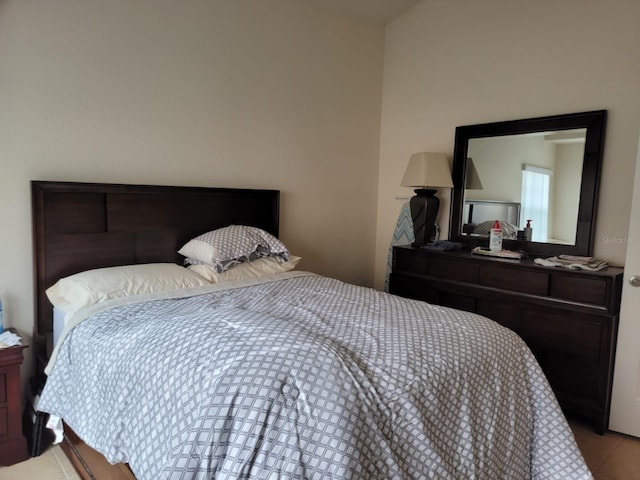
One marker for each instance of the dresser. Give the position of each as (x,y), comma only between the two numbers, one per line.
(13,444)
(568,318)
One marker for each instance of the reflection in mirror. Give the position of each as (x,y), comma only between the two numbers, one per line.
(531,177)
(542,172)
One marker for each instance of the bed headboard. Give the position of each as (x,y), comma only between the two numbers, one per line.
(80,226)
(478,211)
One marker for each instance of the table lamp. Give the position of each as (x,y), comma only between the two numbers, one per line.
(427,172)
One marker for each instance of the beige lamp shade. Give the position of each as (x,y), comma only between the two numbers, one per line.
(427,170)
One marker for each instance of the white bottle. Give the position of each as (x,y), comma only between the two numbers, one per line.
(495,238)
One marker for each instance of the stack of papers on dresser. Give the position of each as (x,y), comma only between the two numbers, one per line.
(9,339)
(499,253)
(574,262)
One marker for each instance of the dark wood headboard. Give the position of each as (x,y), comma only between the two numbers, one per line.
(80,226)
(478,211)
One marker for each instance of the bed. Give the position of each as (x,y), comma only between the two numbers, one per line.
(480,216)
(285,375)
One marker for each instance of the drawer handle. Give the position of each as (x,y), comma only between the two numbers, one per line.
(634,281)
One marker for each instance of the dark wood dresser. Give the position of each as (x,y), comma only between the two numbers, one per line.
(13,444)
(568,318)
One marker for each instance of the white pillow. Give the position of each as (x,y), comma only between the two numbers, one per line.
(226,247)
(248,270)
(93,286)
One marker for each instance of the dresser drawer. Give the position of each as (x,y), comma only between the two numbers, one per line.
(587,290)
(570,376)
(460,302)
(569,332)
(515,280)
(506,314)
(4,422)
(454,270)
(410,287)
(3,386)
(552,330)
(410,261)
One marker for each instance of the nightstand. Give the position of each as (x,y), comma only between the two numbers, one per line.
(13,444)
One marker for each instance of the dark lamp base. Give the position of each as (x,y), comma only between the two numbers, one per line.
(424,211)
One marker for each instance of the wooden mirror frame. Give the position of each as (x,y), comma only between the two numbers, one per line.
(594,122)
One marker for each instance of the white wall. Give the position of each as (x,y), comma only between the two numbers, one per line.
(455,62)
(225,93)
(277,94)
(566,190)
(499,160)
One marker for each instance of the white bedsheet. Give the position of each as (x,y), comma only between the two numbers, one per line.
(58,324)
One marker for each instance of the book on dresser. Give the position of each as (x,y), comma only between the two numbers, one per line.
(568,318)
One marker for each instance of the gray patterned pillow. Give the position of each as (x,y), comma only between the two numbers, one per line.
(225,247)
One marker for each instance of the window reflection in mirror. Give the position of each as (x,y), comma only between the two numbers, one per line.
(540,171)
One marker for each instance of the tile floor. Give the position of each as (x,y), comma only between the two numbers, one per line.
(610,457)
(51,465)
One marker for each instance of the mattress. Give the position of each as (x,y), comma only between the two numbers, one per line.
(303,376)
(58,324)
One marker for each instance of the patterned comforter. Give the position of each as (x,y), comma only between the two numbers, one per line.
(306,377)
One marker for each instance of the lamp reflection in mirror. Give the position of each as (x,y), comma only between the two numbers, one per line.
(472,181)
(426,172)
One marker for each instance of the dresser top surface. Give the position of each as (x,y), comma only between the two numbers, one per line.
(525,262)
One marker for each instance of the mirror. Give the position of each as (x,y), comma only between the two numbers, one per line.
(545,170)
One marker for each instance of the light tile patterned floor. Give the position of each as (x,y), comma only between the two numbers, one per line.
(610,457)
(51,465)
